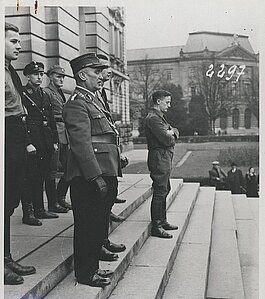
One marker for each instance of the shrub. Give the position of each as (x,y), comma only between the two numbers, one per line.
(244,156)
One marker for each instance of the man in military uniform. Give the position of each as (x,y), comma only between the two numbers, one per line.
(109,246)
(56,75)
(93,165)
(44,137)
(160,140)
(16,145)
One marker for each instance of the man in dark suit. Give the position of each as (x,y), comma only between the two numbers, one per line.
(57,194)
(161,139)
(235,179)
(93,167)
(17,144)
(217,176)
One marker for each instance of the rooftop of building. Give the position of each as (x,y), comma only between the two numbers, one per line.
(215,41)
(154,53)
(197,41)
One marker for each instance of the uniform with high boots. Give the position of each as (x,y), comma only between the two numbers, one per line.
(43,135)
(16,147)
(161,138)
(92,168)
(109,249)
(56,75)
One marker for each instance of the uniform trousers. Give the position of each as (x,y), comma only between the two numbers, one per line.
(91,219)
(57,193)
(36,171)
(111,202)
(160,165)
(15,161)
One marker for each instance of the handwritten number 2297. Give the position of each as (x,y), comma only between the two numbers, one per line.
(231,71)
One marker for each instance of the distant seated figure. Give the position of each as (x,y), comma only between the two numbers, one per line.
(235,179)
(251,183)
(217,176)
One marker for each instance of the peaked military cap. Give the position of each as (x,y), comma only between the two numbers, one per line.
(86,60)
(33,67)
(215,163)
(104,59)
(56,69)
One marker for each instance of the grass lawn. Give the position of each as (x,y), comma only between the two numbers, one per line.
(199,161)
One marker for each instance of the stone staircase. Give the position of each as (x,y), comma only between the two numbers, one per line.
(213,254)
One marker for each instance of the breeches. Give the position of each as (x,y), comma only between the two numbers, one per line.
(160,165)
(91,218)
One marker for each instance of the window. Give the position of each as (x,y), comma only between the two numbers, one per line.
(193,91)
(235,118)
(169,76)
(234,88)
(223,119)
(247,118)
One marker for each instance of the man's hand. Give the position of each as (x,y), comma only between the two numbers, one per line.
(170,132)
(176,133)
(101,187)
(55,147)
(31,149)
(124,161)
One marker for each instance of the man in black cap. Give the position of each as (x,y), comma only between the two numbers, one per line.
(93,165)
(16,145)
(235,179)
(44,137)
(56,75)
(161,139)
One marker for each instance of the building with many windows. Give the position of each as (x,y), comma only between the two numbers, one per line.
(55,35)
(205,56)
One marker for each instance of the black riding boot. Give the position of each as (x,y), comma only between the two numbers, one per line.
(28,215)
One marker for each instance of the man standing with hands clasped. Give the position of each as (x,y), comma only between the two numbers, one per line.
(161,138)
(93,165)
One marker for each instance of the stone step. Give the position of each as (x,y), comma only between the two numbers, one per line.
(148,273)
(189,275)
(225,277)
(49,247)
(248,243)
(133,232)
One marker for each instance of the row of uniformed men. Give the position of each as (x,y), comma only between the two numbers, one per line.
(36,139)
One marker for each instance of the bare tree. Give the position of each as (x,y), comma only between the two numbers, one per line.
(145,78)
(214,90)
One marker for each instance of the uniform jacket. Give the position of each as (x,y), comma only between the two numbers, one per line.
(156,131)
(58,100)
(83,120)
(160,144)
(41,136)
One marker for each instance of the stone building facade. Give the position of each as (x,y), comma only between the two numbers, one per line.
(55,35)
(179,65)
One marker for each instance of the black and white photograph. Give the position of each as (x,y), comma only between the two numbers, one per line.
(132,150)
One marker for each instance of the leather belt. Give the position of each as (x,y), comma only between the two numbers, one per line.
(59,119)
(107,139)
